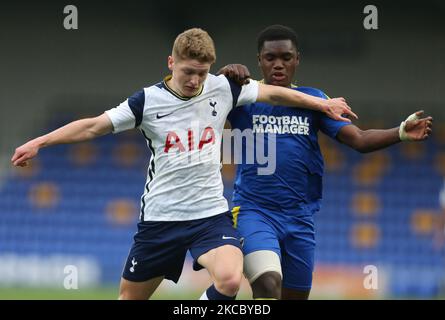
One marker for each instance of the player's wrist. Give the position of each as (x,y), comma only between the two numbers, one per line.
(322,105)
(402,132)
(39,142)
(403,135)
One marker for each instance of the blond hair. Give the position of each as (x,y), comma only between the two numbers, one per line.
(194,44)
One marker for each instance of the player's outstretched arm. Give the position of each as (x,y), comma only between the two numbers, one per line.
(335,108)
(76,131)
(414,128)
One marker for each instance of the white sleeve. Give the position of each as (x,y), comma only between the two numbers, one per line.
(242,95)
(121,117)
(128,114)
(249,93)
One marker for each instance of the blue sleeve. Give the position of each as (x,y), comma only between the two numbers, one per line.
(331,127)
(328,126)
(136,103)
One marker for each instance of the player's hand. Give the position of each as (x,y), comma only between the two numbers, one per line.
(236,72)
(417,128)
(338,109)
(24,153)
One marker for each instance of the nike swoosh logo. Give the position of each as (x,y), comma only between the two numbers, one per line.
(158,116)
(226,238)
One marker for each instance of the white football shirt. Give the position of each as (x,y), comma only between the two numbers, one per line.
(184,135)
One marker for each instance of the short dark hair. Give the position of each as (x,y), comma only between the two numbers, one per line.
(277,32)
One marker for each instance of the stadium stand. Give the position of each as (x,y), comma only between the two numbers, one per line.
(379,209)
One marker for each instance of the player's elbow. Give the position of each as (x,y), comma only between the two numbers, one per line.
(97,127)
(364,148)
(91,130)
(272,99)
(93,133)
(273,95)
(276,99)
(361,147)
(356,140)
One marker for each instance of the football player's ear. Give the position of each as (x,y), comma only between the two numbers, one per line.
(170,63)
(298,58)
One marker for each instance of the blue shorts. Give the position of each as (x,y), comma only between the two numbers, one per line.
(291,237)
(160,247)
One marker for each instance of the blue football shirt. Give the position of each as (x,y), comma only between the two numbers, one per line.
(295,187)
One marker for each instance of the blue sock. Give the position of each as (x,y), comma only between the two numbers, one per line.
(213,294)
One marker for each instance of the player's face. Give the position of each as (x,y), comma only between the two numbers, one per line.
(188,75)
(278,61)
